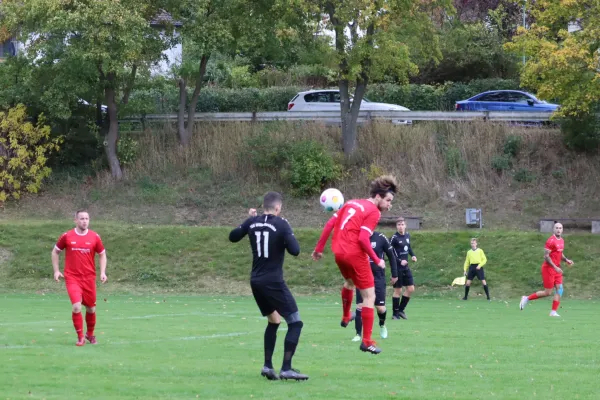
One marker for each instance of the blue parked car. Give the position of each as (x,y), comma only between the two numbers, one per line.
(505,100)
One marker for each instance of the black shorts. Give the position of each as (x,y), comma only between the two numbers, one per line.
(474,272)
(274,296)
(405,277)
(379,293)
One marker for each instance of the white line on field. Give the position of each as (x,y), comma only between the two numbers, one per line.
(138,317)
(176,339)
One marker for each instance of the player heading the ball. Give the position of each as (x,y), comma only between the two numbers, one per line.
(352,228)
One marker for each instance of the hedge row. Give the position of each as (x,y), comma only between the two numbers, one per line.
(415,97)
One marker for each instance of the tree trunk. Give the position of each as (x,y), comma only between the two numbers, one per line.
(349,113)
(348,129)
(113,129)
(196,94)
(184,139)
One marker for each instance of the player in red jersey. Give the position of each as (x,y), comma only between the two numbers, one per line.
(81,245)
(552,275)
(352,228)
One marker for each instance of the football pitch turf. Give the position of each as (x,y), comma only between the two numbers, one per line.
(211,347)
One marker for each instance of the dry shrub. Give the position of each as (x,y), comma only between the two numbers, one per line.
(421,156)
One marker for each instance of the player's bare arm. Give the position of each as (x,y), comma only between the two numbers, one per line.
(55,264)
(568,261)
(103,262)
(549,261)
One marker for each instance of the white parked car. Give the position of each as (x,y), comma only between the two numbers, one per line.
(329,100)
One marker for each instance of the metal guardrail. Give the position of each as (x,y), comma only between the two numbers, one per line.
(363,116)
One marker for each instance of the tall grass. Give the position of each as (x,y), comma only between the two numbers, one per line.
(441,161)
(515,175)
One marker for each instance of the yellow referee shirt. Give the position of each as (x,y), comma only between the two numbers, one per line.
(475,257)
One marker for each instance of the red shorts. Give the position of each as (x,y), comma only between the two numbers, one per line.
(83,292)
(551,278)
(357,268)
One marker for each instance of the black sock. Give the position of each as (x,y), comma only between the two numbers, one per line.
(382,317)
(358,321)
(487,291)
(467,291)
(291,341)
(395,304)
(270,340)
(403,303)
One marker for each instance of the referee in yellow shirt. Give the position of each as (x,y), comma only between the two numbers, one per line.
(474,268)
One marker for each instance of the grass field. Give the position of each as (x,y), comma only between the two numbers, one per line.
(200,260)
(211,348)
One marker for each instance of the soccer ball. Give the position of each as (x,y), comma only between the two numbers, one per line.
(332,199)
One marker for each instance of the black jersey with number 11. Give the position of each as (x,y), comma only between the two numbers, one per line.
(270,236)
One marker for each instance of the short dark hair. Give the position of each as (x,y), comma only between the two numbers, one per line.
(383,185)
(271,199)
(81,210)
(400,219)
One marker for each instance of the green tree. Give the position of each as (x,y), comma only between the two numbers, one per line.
(96,44)
(470,51)
(217,26)
(565,66)
(369,44)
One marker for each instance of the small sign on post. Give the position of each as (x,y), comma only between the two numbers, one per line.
(473,217)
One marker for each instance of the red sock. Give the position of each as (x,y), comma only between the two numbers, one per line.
(533,296)
(555,304)
(368,316)
(90,321)
(347,295)
(78,323)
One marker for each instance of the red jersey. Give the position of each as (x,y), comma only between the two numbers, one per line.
(80,255)
(556,247)
(352,217)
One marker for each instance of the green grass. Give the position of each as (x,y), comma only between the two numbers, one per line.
(179,259)
(176,347)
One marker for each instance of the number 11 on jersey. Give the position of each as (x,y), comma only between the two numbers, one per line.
(264,253)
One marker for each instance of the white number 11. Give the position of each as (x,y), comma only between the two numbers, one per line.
(265,244)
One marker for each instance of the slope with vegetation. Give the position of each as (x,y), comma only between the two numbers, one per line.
(164,259)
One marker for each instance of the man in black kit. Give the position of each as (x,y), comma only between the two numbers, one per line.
(380,246)
(270,236)
(400,241)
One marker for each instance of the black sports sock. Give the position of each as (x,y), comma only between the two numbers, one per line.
(467,291)
(358,321)
(291,341)
(382,317)
(395,304)
(289,349)
(403,303)
(270,340)
(487,291)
